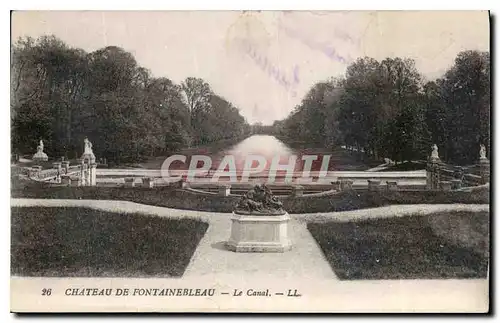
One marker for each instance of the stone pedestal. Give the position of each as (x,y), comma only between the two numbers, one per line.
(40,157)
(432,173)
(259,233)
(484,170)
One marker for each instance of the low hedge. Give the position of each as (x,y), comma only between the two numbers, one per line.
(182,199)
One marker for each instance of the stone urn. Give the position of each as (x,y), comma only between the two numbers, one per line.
(259,223)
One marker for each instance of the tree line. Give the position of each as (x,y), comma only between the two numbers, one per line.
(62,94)
(386,109)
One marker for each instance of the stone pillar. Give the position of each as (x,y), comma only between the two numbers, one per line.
(148,182)
(346,184)
(484,170)
(224,190)
(182,183)
(392,185)
(92,176)
(65,179)
(456,184)
(432,172)
(129,182)
(65,166)
(445,185)
(373,184)
(297,190)
(83,172)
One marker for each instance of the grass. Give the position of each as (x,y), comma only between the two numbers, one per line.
(82,242)
(403,248)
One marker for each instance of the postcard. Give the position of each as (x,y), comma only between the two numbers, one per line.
(250,161)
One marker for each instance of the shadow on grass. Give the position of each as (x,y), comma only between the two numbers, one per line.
(402,248)
(81,242)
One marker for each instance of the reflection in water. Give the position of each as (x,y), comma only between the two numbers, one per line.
(269,147)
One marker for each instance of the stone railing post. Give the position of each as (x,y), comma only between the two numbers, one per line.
(182,183)
(65,179)
(57,166)
(346,184)
(484,170)
(445,185)
(224,190)
(75,181)
(392,185)
(373,184)
(83,172)
(92,175)
(456,184)
(129,182)
(297,190)
(65,166)
(148,182)
(432,170)
(336,185)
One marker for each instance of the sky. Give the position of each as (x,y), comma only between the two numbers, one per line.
(265,62)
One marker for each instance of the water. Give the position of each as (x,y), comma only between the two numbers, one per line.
(264,148)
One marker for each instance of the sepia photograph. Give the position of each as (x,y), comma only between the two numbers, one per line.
(250,161)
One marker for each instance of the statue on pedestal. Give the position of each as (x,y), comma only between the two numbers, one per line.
(87,151)
(482,152)
(260,201)
(40,155)
(435,152)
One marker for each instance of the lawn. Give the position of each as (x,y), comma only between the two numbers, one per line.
(82,242)
(408,247)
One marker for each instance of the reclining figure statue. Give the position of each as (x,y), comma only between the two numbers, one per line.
(260,200)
